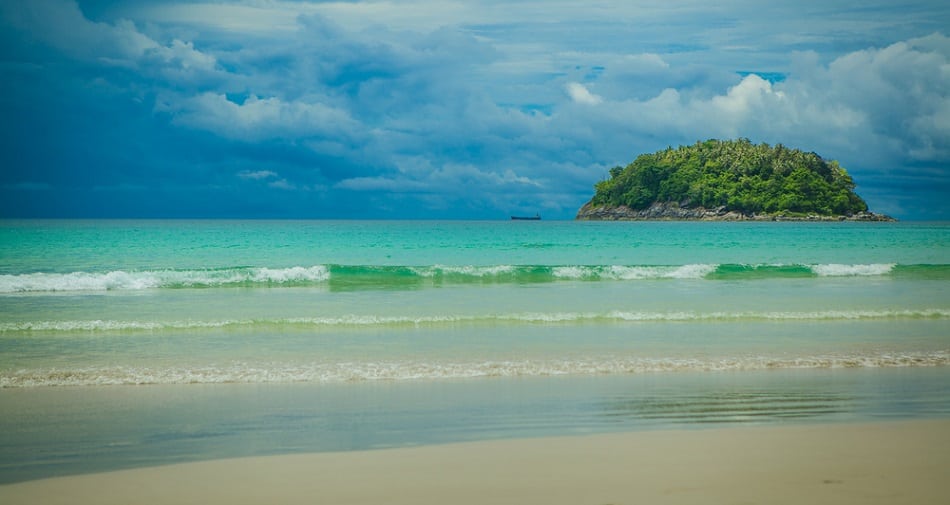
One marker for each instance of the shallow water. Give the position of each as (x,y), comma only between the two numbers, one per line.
(128,343)
(60,431)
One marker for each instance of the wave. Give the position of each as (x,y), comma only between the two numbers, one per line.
(259,373)
(461,319)
(153,279)
(385,276)
(839,270)
(628,273)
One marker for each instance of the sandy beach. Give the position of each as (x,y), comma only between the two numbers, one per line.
(868,463)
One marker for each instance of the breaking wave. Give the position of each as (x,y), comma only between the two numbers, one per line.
(386,276)
(153,279)
(463,319)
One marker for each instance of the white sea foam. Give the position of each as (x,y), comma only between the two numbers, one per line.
(113,325)
(466,270)
(132,280)
(364,320)
(572,272)
(628,273)
(362,371)
(151,279)
(78,281)
(317,273)
(843,270)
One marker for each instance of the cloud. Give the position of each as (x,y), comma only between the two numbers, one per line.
(259,119)
(256,175)
(904,90)
(179,61)
(62,25)
(241,18)
(581,94)
(894,95)
(480,107)
(450,179)
(273,180)
(282,184)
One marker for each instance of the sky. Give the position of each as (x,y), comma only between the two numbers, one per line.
(423,109)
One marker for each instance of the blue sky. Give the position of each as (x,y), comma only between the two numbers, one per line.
(450,109)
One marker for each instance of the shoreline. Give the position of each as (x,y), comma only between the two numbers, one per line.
(841,463)
(672,211)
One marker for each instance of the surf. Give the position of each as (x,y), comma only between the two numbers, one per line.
(512,318)
(396,276)
(241,372)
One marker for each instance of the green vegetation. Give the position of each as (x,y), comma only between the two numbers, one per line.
(735,174)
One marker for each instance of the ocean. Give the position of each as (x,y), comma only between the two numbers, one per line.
(133,343)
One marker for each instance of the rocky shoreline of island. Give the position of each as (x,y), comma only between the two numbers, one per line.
(672,211)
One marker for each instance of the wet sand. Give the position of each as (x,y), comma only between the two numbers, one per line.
(867,463)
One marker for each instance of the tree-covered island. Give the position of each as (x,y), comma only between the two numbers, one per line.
(728,180)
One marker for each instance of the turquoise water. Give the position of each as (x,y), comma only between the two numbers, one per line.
(529,327)
(140,302)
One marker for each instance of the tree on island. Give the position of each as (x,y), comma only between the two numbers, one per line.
(731,176)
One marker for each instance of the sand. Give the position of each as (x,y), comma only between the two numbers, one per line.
(870,463)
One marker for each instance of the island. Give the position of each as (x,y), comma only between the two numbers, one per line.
(728,180)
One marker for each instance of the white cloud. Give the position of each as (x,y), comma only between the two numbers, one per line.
(751,95)
(274,180)
(646,61)
(581,94)
(904,90)
(256,175)
(184,55)
(450,179)
(282,184)
(382,183)
(259,118)
(896,95)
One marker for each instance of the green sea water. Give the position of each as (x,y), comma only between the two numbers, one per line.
(491,327)
(315,301)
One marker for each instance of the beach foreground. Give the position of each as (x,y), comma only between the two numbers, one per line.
(867,463)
